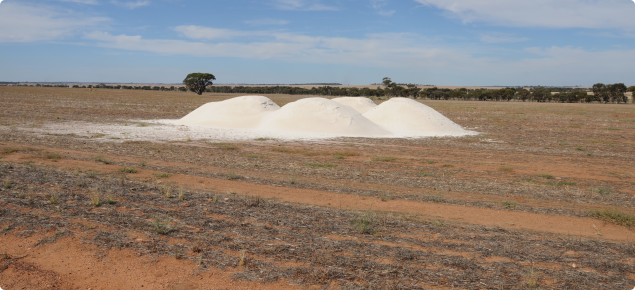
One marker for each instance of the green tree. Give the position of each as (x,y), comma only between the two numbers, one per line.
(600,93)
(198,82)
(386,81)
(523,94)
(616,92)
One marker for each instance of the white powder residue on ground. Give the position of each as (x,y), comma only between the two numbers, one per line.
(407,117)
(360,104)
(241,112)
(322,116)
(254,117)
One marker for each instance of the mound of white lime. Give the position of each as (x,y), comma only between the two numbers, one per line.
(321,116)
(408,117)
(240,112)
(360,104)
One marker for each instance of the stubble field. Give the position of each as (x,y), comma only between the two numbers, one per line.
(543,198)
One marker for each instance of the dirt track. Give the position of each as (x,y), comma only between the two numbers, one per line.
(497,211)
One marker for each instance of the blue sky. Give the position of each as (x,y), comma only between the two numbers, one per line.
(441,42)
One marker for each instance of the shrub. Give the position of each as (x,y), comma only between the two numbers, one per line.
(128,170)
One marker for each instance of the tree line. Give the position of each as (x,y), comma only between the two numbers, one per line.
(602,93)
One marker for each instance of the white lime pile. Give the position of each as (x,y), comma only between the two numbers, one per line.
(320,117)
(407,117)
(360,104)
(241,112)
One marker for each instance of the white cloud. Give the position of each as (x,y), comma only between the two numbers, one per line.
(266,21)
(405,52)
(541,13)
(209,33)
(379,5)
(501,38)
(26,23)
(89,2)
(131,4)
(303,5)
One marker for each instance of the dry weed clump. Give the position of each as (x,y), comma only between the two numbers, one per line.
(162,226)
(181,194)
(7,184)
(166,191)
(95,199)
(54,198)
(363,223)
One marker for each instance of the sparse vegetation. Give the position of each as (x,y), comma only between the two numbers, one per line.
(241,260)
(531,278)
(312,246)
(127,170)
(324,165)
(232,175)
(10,150)
(54,156)
(506,169)
(102,160)
(162,175)
(7,183)
(95,200)
(385,159)
(226,146)
(363,223)
(425,174)
(614,216)
(166,191)
(54,198)
(162,226)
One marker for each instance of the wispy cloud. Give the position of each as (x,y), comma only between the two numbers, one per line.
(501,38)
(303,5)
(266,21)
(89,2)
(132,4)
(28,23)
(379,5)
(541,13)
(403,51)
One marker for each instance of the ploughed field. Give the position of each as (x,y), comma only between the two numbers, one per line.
(544,197)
